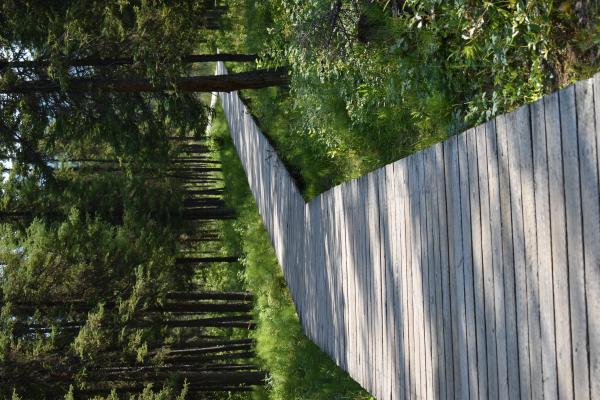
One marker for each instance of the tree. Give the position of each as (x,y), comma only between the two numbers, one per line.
(114,81)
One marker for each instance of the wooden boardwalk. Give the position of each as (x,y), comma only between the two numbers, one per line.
(470,270)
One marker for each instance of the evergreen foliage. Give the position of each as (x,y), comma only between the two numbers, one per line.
(103,194)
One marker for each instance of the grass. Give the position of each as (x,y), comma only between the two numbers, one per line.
(297,368)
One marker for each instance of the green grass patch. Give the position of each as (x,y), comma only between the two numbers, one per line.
(297,368)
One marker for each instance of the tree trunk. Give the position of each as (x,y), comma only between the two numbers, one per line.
(194,308)
(208,214)
(235,321)
(209,350)
(213,83)
(202,260)
(207,192)
(110,62)
(193,296)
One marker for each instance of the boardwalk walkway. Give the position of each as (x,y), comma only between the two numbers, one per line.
(468,270)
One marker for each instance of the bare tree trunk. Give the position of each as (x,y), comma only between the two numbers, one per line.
(201,260)
(110,62)
(192,296)
(212,83)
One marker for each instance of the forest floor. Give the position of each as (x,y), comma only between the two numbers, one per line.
(371,84)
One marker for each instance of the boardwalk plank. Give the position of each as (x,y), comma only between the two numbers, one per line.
(456,266)
(518,122)
(388,343)
(488,272)
(360,317)
(574,242)
(560,271)
(401,172)
(350,272)
(433,264)
(367,284)
(590,204)
(467,252)
(421,271)
(531,270)
(478,278)
(417,281)
(425,266)
(592,277)
(442,157)
(338,315)
(410,298)
(343,275)
(438,170)
(327,305)
(373,270)
(544,251)
(398,326)
(497,258)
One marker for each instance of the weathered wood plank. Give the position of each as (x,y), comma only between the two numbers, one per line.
(413,342)
(401,171)
(590,205)
(388,340)
(517,126)
(488,272)
(396,286)
(467,252)
(355,276)
(362,291)
(372,269)
(441,158)
(435,170)
(456,266)
(560,273)
(340,279)
(367,284)
(497,257)
(592,277)
(328,305)
(415,275)
(544,251)
(574,242)
(425,266)
(531,270)
(433,263)
(478,278)
(393,335)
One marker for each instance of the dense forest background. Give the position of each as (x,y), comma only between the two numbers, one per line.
(111,206)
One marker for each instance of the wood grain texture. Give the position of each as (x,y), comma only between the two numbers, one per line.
(560,272)
(574,242)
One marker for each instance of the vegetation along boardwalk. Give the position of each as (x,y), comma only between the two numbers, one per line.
(468,270)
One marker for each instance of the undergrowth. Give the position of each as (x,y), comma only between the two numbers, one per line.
(374,81)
